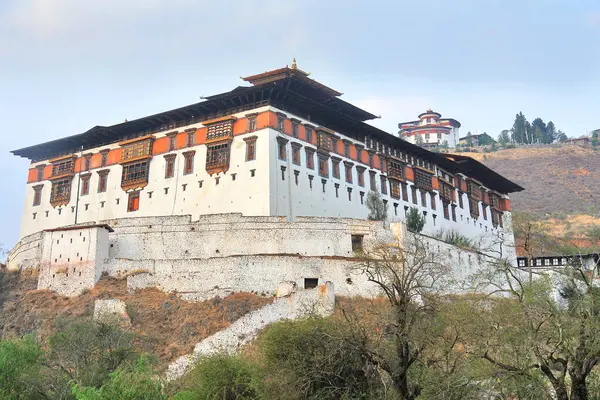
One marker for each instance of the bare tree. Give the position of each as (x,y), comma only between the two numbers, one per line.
(410,278)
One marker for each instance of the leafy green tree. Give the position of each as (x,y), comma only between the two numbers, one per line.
(520,128)
(128,382)
(20,369)
(377,208)
(419,139)
(221,377)
(539,131)
(551,132)
(315,359)
(485,139)
(415,221)
(561,136)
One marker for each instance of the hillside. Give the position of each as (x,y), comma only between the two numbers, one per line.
(559,180)
(167,325)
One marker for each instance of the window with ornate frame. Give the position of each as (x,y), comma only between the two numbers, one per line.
(404,191)
(474,208)
(135,175)
(295,128)
(360,172)
(394,189)
(188,165)
(133,202)
(172,140)
(40,172)
(217,156)
(104,158)
(323,166)
(310,157)
(309,133)
(61,192)
(170,165)
(85,183)
(446,191)
(396,169)
(63,167)
(136,150)
(347,148)
(335,166)
(348,171)
(191,137)
(373,180)
(474,190)
(414,194)
(423,180)
(219,130)
(433,200)
(37,195)
(323,141)
(87,162)
(384,185)
(102,180)
(250,148)
(251,123)
(296,153)
(495,201)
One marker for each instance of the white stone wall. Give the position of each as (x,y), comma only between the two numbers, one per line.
(317,301)
(220,254)
(72,260)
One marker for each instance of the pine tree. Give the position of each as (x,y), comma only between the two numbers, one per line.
(504,137)
(377,208)
(551,132)
(519,130)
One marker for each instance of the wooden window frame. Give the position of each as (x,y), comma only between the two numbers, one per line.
(170,165)
(103,180)
(85,184)
(323,165)
(360,173)
(188,164)
(37,195)
(335,167)
(135,175)
(251,148)
(348,171)
(133,201)
(218,156)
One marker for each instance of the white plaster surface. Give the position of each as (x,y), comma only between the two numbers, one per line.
(318,301)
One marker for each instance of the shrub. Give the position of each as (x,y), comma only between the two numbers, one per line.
(126,383)
(377,208)
(457,239)
(220,377)
(90,351)
(415,221)
(20,368)
(313,359)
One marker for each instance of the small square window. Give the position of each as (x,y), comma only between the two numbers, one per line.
(311,283)
(134,201)
(357,242)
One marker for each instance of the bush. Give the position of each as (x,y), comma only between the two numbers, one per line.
(220,377)
(455,238)
(415,221)
(126,383)
(312,359)
(90,351)
(20,369)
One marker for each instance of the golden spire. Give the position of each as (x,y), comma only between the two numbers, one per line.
(294,65)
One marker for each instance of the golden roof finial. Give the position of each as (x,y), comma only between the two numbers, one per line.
(294,65)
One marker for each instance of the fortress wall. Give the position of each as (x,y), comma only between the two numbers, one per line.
(220,254)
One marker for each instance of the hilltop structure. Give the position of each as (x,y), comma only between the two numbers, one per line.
(282,157)
(431,130)
(479,139)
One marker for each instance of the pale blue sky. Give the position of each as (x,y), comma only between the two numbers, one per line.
(67,65)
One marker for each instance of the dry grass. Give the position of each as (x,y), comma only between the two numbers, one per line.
(167,325)
(562,184)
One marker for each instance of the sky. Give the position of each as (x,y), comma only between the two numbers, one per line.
(68,65)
